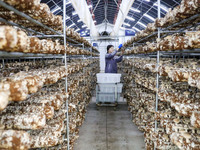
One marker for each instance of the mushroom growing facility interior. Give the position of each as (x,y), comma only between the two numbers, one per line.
(100,74)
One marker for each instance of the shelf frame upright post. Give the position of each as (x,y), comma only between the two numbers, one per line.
(157,74)
(66,88)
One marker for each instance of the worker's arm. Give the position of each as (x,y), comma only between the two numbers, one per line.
(111,55)
(119,59)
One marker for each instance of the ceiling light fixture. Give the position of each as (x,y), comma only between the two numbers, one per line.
(71,25)
(140,23)
(123,28)
(84,26)
(69,2)
(135,10)
(56,9)
(77,29)
(74,13)
(130,18)
(148,16)
(126,24)
(136,29)
(67,17)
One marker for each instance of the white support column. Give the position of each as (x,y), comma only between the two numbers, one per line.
(82,10)
(124,9)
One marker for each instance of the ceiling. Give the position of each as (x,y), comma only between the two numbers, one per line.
(107,11)
(149,8)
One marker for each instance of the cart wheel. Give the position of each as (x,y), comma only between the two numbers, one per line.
(97,106)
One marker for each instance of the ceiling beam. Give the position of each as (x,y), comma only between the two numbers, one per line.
(123,11)
(84,14)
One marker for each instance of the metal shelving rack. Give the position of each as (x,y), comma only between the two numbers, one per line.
(161,33)
(17,55)
(157,74)
(3,4)
(38,34)
(166,31)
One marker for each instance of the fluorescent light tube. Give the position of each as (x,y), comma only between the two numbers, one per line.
(84,26)
(71,25)
(136,29)
(123,28)
(130,18)
(74,13)
(56,9)
(67,17)
(135,10)
(142,24)
(77,29)
(148,16)
(126,24)
(69,2)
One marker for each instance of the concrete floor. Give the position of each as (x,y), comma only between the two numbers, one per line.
(109,129)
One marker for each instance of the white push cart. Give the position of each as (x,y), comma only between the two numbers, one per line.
(108,89)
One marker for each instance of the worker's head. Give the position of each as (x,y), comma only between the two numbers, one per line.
(110,48)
